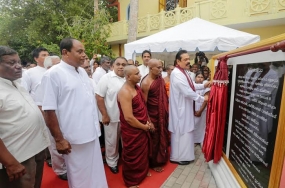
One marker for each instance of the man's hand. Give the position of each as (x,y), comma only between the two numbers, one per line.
(94,56)
(15,171)
(152,128)
(208,84)
(105,119)
(63,146)
(197,113)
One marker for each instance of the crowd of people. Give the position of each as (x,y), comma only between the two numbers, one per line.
(70,105)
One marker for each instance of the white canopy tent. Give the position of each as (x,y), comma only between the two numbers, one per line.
(193,35)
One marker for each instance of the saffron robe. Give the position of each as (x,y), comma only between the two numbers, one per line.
(157,106)
(135,143)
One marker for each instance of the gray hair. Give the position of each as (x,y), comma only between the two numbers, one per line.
(48,61)
(5,50)
(104,59)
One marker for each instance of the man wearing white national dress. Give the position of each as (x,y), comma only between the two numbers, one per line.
(72,117)
(181,113)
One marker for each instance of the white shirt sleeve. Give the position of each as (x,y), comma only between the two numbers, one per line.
(26,81)
(183,86)
(39,93)
(199,86)
(102,86)
(50,93)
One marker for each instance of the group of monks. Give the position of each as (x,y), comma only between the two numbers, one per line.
(144,116)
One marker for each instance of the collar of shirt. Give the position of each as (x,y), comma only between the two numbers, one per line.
(9,82)
(113,74)
(70,67)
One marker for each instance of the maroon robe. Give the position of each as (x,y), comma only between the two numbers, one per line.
(157,106)
(135,143)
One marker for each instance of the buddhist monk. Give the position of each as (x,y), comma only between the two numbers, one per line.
(135,129)
(154,92)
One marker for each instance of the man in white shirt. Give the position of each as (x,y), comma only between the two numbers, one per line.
(181,113)
(32,77)
(23,133)
(103,69)
(56,159)
(106,95)
(72,117)
(144,70)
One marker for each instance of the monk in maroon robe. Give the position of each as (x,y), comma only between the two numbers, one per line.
(155,94)
(135,129)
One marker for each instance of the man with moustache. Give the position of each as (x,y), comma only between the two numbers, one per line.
(23,134)
(154,92)
(72,118)
(134,129)
(106,95)
(181,112)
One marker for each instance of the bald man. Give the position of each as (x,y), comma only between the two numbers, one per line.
(135,129)
(154,92)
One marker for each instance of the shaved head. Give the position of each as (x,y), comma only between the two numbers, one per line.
(153,63)
(129,69)
(155,67)
(169,67)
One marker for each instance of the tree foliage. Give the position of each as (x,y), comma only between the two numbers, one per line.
(26,24)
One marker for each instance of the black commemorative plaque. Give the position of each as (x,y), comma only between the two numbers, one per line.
(257,99)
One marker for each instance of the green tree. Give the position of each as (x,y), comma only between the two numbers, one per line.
(26,24)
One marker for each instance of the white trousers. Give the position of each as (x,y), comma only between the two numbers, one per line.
(182,147)
(85,167)
(112,136)
(58,164)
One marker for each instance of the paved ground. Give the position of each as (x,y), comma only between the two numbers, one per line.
(196,174)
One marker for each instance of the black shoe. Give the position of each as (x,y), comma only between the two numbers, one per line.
(48,161)
(114,170)
(63,176)
(181,162)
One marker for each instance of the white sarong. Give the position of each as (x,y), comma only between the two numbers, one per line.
(85,167)
(182,147)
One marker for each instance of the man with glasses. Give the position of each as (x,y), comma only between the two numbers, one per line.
(105,63)
(23,133)
(106,95)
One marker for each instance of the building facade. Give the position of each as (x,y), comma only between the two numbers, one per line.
(265,18)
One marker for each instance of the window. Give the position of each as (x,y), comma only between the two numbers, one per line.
(128,12)
(171,4)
